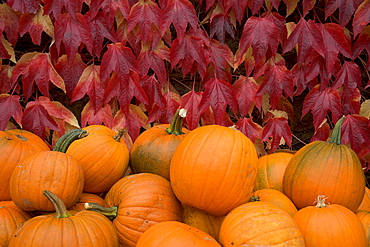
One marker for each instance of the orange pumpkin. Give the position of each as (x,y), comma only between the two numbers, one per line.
(11,218)
(48,170)
(214,169)
(276,197)
(174,233)
(259,224)
(15,145)
(364,217)
(152,151)
(271,168)
(325,168)
(87,197)
(66,228)
(138,202)
(103,157)
(330,225)
(365,203)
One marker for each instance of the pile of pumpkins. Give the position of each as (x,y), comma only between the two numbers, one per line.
(175,187)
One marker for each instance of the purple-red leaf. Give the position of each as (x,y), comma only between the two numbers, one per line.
(321,133)
(9,107)
(249,128)
(102,116)
(56,7)
(346,9)
(277,128)
(349,76)
(24,6)
(350,100)
(245,89)
(9,20)
(6,78)
(153,90)
(361,17)
(362,42)
(190,101)
(220,25)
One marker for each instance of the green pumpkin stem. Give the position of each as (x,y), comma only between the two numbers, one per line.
(60,207)
(336,134)
(176,124)
(69,137)
(119,135)
(110,213)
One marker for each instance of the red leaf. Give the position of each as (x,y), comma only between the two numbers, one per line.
(362,42)
(220,25)
(361,17)
(9,20)
(120,59)
(72,32)
(346,9)
(280,22)
(34,24)
(5,48)
(188,54)
(89,83)
(6,78)
(255,5)
(349,76)
(262,33)
(36,67)
(9,107)
(24,6)
(190,101)
(249,128)
(218,94)
(172,104)
(307,6)
(36,119)
(355,131)
(179,13)
(153,90)
(320,100)
(245,90)
(221,56)
(56,7)
(109,8)
(277,128)
(321,133)
(350,100)
(102,116)
(308,37)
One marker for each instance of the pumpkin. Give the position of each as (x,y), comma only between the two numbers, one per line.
(330,225)
(87,197)
(214,169)
(259,224)
(152,151)
(103,157)
(276,197)
(203,221)
(136,203)
(364,217)
(271,168)
(365,203)
(11,218)
(48,170)
(174,233)
(66,228)
(15,145)
(325,168)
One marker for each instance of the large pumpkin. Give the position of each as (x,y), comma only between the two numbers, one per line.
(48,170)
(330,225)
(259,224)
(152,151)
(103,157)
(15,145)
(365,203)
(214,169)
(364,217)
(325,168)
(66,228)
(176,234)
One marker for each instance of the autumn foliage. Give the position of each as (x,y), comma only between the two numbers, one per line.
(272,68)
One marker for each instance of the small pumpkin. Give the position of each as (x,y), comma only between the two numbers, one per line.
(174,233)
(365,203)
(87,197)
(259,224)
(325,168)
(15,145)
(103,157)
(330,225)
(152,151)
(214,169)
(48,170)
(11,218)
(364,217)
(66,228)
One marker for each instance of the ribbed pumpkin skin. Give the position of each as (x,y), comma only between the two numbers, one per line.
(103,159)
(364,217)
(11,218)
(276,197)
(271,168)
(173,233)
(143,200)
(15,145)
(152,151)
(333,225)
(87,197)
(365,204)
(84,228)
(322,168)
(214,169)
(259,224)
(46,170)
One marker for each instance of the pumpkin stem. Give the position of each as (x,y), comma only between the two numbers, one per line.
(60,207)
(119,135)
(254,199)
(321,201)
(69,137)
(110,213)
(336,134)
(176,124)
